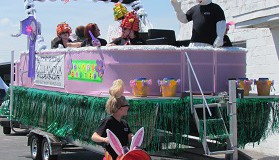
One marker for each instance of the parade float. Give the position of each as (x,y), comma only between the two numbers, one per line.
(172,91)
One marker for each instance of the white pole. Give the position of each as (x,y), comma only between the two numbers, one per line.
(198,83)
(11,87)
(190,86)
(233,115)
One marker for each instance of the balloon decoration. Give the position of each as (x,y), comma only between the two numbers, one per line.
(122,1)
(115,1)
(32,28)
(145,24)
(29,27)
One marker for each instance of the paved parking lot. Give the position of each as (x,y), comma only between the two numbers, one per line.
(266,150)
(14,147)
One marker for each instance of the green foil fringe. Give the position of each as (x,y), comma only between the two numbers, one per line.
(78,116)
(4,109)
(215,129)
(257,118)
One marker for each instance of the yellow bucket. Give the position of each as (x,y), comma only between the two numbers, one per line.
(245,84)
(168,87)
(263,87)
(140,87)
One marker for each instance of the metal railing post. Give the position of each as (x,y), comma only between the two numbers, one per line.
(11,88)
(233,115)
(195,76)
(190,85)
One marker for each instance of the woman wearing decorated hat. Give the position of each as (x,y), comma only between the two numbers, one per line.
(114,30)
(63,31)
(130,29)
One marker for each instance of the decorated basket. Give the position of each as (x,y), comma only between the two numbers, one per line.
(245,84)
(168,86)
(264,86)
(140,86)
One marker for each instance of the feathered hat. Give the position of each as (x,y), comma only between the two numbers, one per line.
(131,21)
(119,11)
(63,27)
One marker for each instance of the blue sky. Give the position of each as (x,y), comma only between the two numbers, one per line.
(75,13)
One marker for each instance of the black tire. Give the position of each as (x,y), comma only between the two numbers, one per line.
(7,130)
(35,147)
(46,151)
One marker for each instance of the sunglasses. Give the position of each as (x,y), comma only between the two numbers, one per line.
(125,105)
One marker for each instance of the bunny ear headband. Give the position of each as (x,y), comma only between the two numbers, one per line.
(116,145)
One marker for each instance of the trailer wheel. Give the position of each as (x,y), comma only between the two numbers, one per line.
(46,151)
(35,147)
(7,130)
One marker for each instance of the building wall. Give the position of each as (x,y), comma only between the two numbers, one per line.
(262,43)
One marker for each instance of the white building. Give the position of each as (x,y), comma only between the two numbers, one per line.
(257,29)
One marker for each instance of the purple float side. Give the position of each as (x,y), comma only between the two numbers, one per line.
(213,67)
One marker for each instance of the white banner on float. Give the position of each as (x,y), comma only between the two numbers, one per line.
(49,70)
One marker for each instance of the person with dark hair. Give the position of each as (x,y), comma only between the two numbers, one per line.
(80,34)
(130,32)
(91,34)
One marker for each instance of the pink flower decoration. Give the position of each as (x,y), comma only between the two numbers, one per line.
(29,29)
(132,83)
(248,82)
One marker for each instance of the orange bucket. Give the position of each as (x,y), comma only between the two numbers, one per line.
(245,84)
(168,86)
(140,86)
(264,86)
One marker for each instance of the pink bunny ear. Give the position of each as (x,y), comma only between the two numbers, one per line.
(114,142)
(137,139)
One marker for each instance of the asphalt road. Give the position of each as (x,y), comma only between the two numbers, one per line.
(14,147)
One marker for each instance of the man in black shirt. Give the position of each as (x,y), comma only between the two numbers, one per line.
(209,22)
